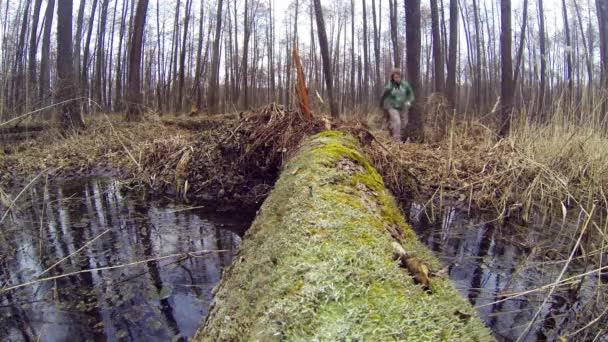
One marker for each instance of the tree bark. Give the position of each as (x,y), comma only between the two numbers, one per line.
(325,56)
(415,127)
(506,88)
(378,82)
(244,64)
(437,48)
(134,107)
(32,93)
(394,33)
(179,104)
(522,41)
(99,59)
(212,91)
(118,95)
(65,91)
(45,71)
(568,49)
(84,77)
(453,54)
(78,38)
(353,61)
(543,59)
(19,84)
(366,77)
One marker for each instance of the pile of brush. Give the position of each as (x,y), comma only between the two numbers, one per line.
(240,160)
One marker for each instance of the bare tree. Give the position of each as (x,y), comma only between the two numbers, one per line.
(506,88)
(415,127)
(365,56)
(453,53)
(134,106)
(65,91)
(325,56)
(182,59)
(212,95)
(84,77)
(543,59)
(45,75)
(437,50)
(568,48)
(32,94)
(602,18)
(394,35)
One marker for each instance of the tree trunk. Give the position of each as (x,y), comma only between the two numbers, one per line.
(478,58)
(394,33)
(543,60)
(118,95)
(45,71)
(134,107)
(378,82)
(246,34)
(325,56)
(588,62)
(99,59)
(415,127)
(84,82)
(522,41)
(602,17)
(196,89)
(453,53)
(366,77)
(568,49)
(65,91)
(212,91)
(437,48)
(19,84)
(32,93)
(353,61)
(325,253)
(182,59)
(78,38)
(506,88)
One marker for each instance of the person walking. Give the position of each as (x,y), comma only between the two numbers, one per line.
(397,98)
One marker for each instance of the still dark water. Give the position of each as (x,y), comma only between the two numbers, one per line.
(160,300)
(493,263)
(165,300)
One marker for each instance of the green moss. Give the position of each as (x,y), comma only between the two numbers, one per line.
(317,262)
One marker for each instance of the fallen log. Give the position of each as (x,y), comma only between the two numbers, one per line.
(329,257)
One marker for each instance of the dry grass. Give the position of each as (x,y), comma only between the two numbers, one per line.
(108,145)
(536,168)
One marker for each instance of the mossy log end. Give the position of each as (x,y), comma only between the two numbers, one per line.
(318,263)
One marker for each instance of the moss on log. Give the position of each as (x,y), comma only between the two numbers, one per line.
(318,263)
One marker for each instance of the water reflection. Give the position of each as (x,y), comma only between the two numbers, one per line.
(156,300)
(488,260)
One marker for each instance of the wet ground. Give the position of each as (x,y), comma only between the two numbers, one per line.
(90,224)
(157,300)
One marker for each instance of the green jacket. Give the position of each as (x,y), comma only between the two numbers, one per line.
(395,96)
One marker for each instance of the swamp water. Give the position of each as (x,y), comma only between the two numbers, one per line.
(166,299)
(158,300)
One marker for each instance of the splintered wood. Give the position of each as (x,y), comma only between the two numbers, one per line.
(302,90)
